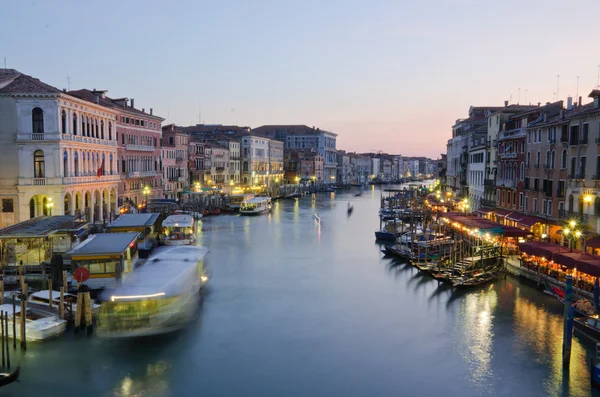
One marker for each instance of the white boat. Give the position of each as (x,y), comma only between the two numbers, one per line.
(42,298)
(179,230)
(256,206)
(39,326)
(193,214)
(161,296)
(236,200)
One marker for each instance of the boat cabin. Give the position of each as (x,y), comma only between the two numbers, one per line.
(108,256)
(179,230)
(145,224)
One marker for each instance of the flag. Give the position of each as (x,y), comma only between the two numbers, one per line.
(101,169)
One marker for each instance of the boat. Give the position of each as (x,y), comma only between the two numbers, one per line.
(236,200)
(350,209)
(476,280)
(256,206)
(588,326)
(42,298)
(9,377)
(387,231)
(179,230)
(193,214)
(160,297)
(39,325)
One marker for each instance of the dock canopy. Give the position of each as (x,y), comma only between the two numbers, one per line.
(134,221)
(44,226)
(484,225)
(105,244)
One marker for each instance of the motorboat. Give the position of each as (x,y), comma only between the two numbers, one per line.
(179,230)
(39,325)
(43,297)
(256,206)
(588,326)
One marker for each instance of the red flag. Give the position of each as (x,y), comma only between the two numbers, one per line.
(101,169)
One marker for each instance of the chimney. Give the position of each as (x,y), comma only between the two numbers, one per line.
(143,110)
(132,102)
(539,104)
(64,90)
(596,102)
(505,103)
(96,99)
(569,103)
(545,117)
(580,100)
(150,111)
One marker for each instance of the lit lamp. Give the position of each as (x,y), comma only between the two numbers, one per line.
(572,234)
(49,206)
(146,193)
(231,182)
(587,198)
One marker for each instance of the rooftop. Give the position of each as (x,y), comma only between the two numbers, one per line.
(117,104)
(274,130)
(42,226)
(15,82)
(134,220)
(105,243)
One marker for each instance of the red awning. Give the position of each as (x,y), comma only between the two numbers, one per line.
(503,213)
(539,248)
(528,221)
(586,263)
(515,216)
(484,210)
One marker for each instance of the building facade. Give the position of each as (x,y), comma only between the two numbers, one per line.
(58,152)
(175,149)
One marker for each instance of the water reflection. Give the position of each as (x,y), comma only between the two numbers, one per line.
(475,328)
(152,383)
(539,333)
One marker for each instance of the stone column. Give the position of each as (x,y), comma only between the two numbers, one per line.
(101,207)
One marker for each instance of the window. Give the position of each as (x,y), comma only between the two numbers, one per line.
(537,159)
(552,158)
(109,131)
(561,189)
(549,209)
(535,207)
(584,133)
(122,138)
(536,184)
(171,140)
(582,164)
(63,121)
(526,203)
(65,164)
(528,159)
(522,174)
(544,206)
(521,201)
(539,136)
(74,124)
(547,161)
(126,120)
(7,205)
(38,164)
(563,159)
(102,129)
(574,139)
(37,121)
(573,162)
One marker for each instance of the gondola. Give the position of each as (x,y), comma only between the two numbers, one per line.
(9,377)
(350,209)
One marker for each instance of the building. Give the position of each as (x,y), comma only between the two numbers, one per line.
(478,161)
(175,149)
(375,167)
(219,165)
(494,123)
(440,168)
(345,171)
(138,147)
(276,173)
(361,166)
(59,152)
(580,156)
(303,166)
(304,137)
(196,161)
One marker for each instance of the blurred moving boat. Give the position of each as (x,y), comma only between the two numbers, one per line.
(159,297)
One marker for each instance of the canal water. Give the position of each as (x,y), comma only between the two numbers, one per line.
(298,307)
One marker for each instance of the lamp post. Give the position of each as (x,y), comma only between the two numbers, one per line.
(146,192)
(572,233)
(49,206)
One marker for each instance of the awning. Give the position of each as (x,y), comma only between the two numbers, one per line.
(528,221)
(539,248)
(515,216)
(589,264)
(484,210)
(503,213)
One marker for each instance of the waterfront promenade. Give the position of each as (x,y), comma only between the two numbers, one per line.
(297,308)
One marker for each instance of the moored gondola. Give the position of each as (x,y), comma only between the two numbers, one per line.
(9,377)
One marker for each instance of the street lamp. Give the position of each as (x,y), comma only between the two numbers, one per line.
(49,206)
(146,192)
(572,234)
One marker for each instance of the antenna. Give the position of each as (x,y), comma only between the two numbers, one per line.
(557,85)
(68,83)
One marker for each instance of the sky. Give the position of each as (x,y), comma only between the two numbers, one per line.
(383,75)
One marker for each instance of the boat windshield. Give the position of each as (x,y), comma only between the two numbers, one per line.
(132,314)
(179,233)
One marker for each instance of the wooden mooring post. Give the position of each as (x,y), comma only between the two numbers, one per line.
(2,288)
(61,308)
(6,336)
(24,317)
(50,302)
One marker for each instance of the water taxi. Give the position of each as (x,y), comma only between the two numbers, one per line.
(39,325)
(256,206)
(161,296)
(236,200)
(179,230)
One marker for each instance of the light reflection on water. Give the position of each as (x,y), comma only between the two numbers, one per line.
(152,383)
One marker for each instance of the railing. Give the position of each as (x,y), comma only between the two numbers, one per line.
(178,158)
(583,141)
(38,137)
(580,176)
(181,179)
(514,133)
(147,173)
(74,180)
(489,182)
(564,138)
(220,168)
(512,183)
(133,174)
(487,203)
(39,181)
(509,155)
(87,139)
(571,176)
(141,148)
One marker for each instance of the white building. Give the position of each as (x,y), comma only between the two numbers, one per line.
(478,160)
(58,152)
(255,160)
(375,167)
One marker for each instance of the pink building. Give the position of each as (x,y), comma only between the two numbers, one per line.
(175,149)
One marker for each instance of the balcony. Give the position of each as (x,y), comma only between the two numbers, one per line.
(140,148)
(138,174)
(64,137)
(181,179)
(510,183)
(583,141)
(509,155)
(564,138)
(489,182)
(487,203)
(179,158)
(514,133)
(69,180)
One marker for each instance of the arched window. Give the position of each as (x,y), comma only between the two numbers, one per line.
(563,159)
(537,159)
(552,159)
(102,129)
(96,129)
(515,172)
(89,126)
(63,121)
(76,164)
(528,159)
(65,163)
(83,133)
(123,166)
(74,124)
(245,166)
(547,163)
(37,120)
(38,164)
(109,131)
(522,176)
(571,200)
(110,165)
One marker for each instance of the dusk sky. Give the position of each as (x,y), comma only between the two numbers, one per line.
(383,75)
